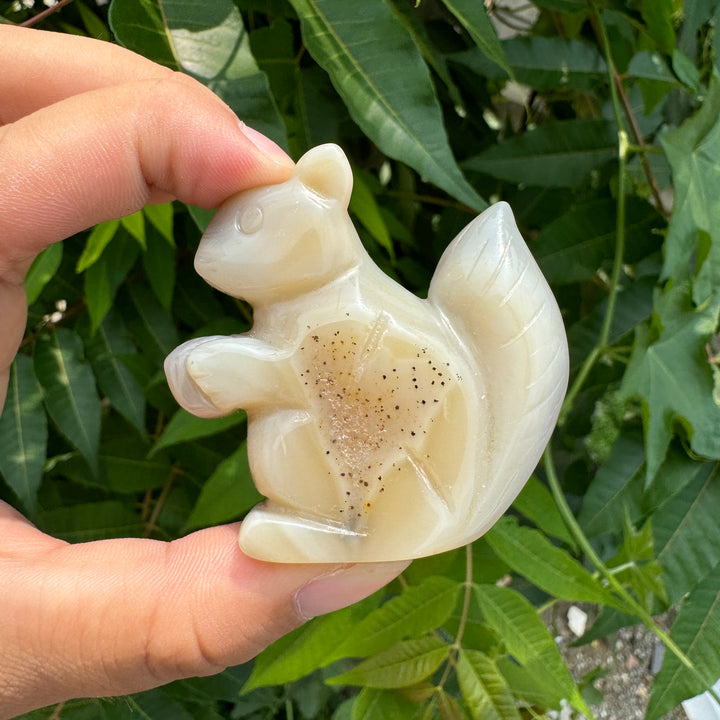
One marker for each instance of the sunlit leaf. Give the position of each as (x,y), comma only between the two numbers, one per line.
(416,611)
(530,553)
(373,704)
(42,270)
(403,664)
(484,688)
(97,241)
(398,110)
(300,652)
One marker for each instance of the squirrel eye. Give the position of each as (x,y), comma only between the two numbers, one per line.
(249,220)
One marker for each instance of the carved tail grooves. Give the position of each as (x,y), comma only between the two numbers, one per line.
(491,290)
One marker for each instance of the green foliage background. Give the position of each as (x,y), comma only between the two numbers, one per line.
(609,152)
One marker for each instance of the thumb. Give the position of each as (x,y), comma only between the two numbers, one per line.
(119,616)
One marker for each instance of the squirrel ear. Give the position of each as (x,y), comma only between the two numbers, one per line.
(326,170)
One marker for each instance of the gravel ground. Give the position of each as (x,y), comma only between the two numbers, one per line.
(631,657)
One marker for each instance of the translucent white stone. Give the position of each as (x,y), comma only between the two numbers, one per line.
(380,426)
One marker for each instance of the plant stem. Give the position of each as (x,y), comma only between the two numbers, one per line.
(632,605)
(575,530)
(35,19)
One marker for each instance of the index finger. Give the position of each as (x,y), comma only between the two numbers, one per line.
(41,68)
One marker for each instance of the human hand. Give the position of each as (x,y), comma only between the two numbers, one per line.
(89,132)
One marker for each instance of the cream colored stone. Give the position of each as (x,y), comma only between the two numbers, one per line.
(380,426)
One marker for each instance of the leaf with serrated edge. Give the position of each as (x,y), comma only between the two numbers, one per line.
(398,111)
(536,503)
(696,630)
(687,534)
(671,376)
(23,433)
(418,610)
(528,640)
(373,704)
(529,553)
(473,17)
(406,663)
(306,649)
(559,154)
(69,392)
(484,688)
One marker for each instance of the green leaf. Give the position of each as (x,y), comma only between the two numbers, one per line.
(95,27)
(123,466)
(135,225)
(364,206)
(404,664)
(515,620)
(372,704)
(658,17)
(161,217)
(159,263)
(184,427)
(103,348)
(573,247)
(91,521)
(687,534)
(306,649)
(530,553)
(529,642)
(543,63)
(97,241)
(672,378)
(473,17)
(418,610)
(696,631)
(23,433)
(210,42)
(560,154)
(536,503)
(484,688)
(156,705)
(227,494)
(149,322)
(207,41)
(635,307)
(105,276)
(42,270)
(692,150)
(616,488)
(69,392)
(398,111)
(138,25)
(562,5)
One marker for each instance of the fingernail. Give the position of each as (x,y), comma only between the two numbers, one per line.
(344,587)
(265,145)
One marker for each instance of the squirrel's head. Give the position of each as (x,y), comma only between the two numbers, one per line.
(278,241)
